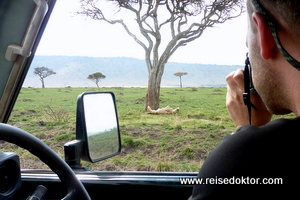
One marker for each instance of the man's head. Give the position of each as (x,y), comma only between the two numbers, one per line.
(286,11)
(273,76)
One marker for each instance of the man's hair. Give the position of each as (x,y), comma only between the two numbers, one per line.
(286,10)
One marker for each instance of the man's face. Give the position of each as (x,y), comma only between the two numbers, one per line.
(266,79)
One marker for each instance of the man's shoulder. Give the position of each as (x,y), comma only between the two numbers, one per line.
(250,142)
(264,144)
(264,152)
(273,128)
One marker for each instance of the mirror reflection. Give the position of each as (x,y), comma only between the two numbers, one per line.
(101,125)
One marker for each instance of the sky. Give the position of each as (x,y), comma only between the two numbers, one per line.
(73,35)
(100,113)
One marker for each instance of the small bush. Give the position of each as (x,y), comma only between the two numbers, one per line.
(56,115)
(128,141)
(193,89)
(63,137)
(182,99)
(178,127)
(162,166)
(189,152)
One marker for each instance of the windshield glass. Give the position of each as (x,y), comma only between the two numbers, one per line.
(74,46)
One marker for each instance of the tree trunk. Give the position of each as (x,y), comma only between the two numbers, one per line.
(43,83)
(180,81)
(153,92)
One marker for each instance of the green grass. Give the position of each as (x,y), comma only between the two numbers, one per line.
(178,142)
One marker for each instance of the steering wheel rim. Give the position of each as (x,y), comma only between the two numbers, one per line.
(35,146)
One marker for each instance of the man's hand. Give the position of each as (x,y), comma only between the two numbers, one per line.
(238,111)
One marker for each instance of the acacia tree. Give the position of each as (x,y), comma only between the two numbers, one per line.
(187,19)
(96,77)
(43,72)
(180,74)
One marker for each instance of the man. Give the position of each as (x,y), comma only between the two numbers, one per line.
(260,160)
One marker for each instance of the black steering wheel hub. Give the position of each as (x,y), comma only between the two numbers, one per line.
(10,176)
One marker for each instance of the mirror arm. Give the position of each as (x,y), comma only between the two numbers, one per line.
(73,151)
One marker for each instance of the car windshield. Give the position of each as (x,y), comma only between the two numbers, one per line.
(75,47)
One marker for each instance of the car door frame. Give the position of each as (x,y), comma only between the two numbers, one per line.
(19,71)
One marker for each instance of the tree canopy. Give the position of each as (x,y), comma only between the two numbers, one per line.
(185,21)
(96,77)
(43,72)
(180,74)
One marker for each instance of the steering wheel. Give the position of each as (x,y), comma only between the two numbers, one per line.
(76,190)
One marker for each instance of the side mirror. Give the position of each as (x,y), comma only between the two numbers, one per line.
(97,129)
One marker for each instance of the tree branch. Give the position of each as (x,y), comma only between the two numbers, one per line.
(180,13)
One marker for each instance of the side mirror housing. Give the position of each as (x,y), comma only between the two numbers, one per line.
(97,129)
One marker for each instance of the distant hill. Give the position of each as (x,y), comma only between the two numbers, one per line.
(123,72)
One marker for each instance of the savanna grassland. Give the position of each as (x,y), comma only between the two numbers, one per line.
(178,142)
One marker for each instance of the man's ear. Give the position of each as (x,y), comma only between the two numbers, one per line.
(265,38)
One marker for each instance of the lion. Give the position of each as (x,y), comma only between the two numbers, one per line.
(166,110)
